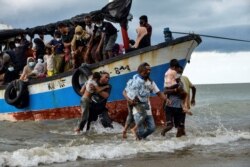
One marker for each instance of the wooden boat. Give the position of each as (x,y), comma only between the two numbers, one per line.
(55,97)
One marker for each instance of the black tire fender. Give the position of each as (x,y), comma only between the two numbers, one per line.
(24,102)
(1,65)
(15,92)
(79,77)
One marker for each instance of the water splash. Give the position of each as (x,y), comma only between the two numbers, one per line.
(111,147)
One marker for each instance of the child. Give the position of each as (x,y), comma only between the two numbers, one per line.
(184,96)
(57,47)
(129,120)
(49,62)
(171,82)
(87,90)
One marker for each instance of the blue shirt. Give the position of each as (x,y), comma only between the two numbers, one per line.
(59,46)
(138,87)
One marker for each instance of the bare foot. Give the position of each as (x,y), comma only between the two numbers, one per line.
(77,130)
(180,132)
(133,130)
(185,110)
(124,134)
(163,132)
(189,113)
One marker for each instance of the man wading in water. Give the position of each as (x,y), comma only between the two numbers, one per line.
(145,86)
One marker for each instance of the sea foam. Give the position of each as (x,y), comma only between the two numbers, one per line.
(115,147)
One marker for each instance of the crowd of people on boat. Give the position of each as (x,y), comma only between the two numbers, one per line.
(92,42)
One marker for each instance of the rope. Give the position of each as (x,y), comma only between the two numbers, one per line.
(211,36)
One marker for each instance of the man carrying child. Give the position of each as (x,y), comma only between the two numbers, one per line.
(177,109)
(87,90)
(139,104)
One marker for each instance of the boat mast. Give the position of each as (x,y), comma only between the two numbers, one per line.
(124,31)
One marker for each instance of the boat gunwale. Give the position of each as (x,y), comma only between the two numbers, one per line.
(189,37)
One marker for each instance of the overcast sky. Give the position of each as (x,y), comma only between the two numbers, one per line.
(226,18)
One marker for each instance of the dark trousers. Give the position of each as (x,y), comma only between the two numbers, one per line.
(102,113)
(175,117)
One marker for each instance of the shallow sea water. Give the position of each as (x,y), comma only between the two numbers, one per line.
(218,134)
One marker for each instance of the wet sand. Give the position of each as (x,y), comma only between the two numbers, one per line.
(178,159)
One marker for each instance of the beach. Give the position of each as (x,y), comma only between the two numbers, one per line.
(218,134)
(187,157)
(169,160)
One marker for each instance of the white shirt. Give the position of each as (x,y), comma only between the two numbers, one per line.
(49,61)
(39,68)
(154,89)
(88,83)
(90,29)
(133,86)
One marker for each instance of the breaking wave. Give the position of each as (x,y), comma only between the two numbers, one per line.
(114,147)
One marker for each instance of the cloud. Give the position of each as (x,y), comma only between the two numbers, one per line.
(228,18)
(219,45)
(195,15)
(213,67)
(29,13)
